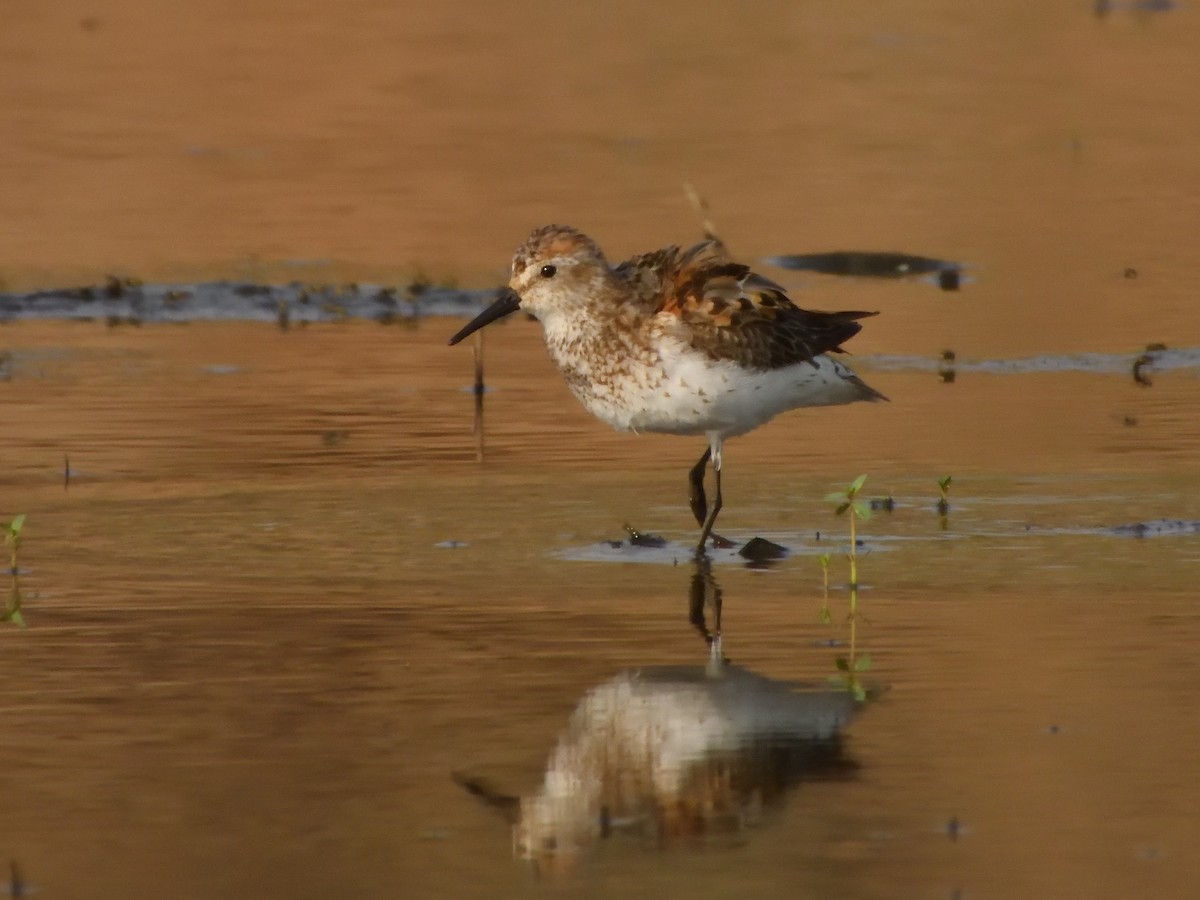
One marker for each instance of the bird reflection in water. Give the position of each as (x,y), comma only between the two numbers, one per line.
(681,754)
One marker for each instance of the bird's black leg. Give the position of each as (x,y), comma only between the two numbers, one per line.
(698,596)
(696,496)
(705,594)
(712,514)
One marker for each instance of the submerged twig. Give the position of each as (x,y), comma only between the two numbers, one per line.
(478,390)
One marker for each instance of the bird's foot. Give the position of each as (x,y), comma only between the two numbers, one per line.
(722,543)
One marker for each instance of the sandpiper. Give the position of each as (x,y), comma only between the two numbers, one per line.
(677,342)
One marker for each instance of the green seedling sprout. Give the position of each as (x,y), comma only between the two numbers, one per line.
(848,502)
(849,671)
(943,504)
(826,618)
(12,610)
(12,540)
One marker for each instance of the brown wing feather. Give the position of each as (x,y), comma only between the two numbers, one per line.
(733,313)
(645,275)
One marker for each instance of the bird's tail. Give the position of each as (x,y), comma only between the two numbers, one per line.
(867,392)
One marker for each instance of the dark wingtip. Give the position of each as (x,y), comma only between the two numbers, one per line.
(873,395)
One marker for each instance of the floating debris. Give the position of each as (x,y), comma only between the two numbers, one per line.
(643,539)
(1101,8)
(419,286)
(129,301)
(1145,361)
(946,369)
(760,551)
(115,287)
(254,290)
(1157,528)
(867,264)
(1172,359)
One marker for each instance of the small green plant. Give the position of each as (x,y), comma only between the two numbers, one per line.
(850,667)
(826,617)
(849,671)
(847,501)
(943,504)
(12,609)
(12,540)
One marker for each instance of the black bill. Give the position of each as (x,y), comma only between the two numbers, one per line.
(506,302)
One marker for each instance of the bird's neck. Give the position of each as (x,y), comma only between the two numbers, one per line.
(590,321)
(568,335)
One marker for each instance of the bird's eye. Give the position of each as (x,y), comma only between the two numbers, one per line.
(548,271)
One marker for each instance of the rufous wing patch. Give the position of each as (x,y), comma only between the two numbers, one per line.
(734,313)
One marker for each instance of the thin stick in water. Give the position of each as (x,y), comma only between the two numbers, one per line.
(478,390)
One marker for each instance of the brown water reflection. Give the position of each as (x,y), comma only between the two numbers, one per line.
(280,602)
(675,754)
(255,657)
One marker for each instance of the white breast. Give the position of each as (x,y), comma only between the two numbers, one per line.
(672,389)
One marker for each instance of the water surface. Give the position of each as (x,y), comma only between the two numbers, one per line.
(278,605)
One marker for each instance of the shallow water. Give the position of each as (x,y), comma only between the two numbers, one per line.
(255,658)
(278,613)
